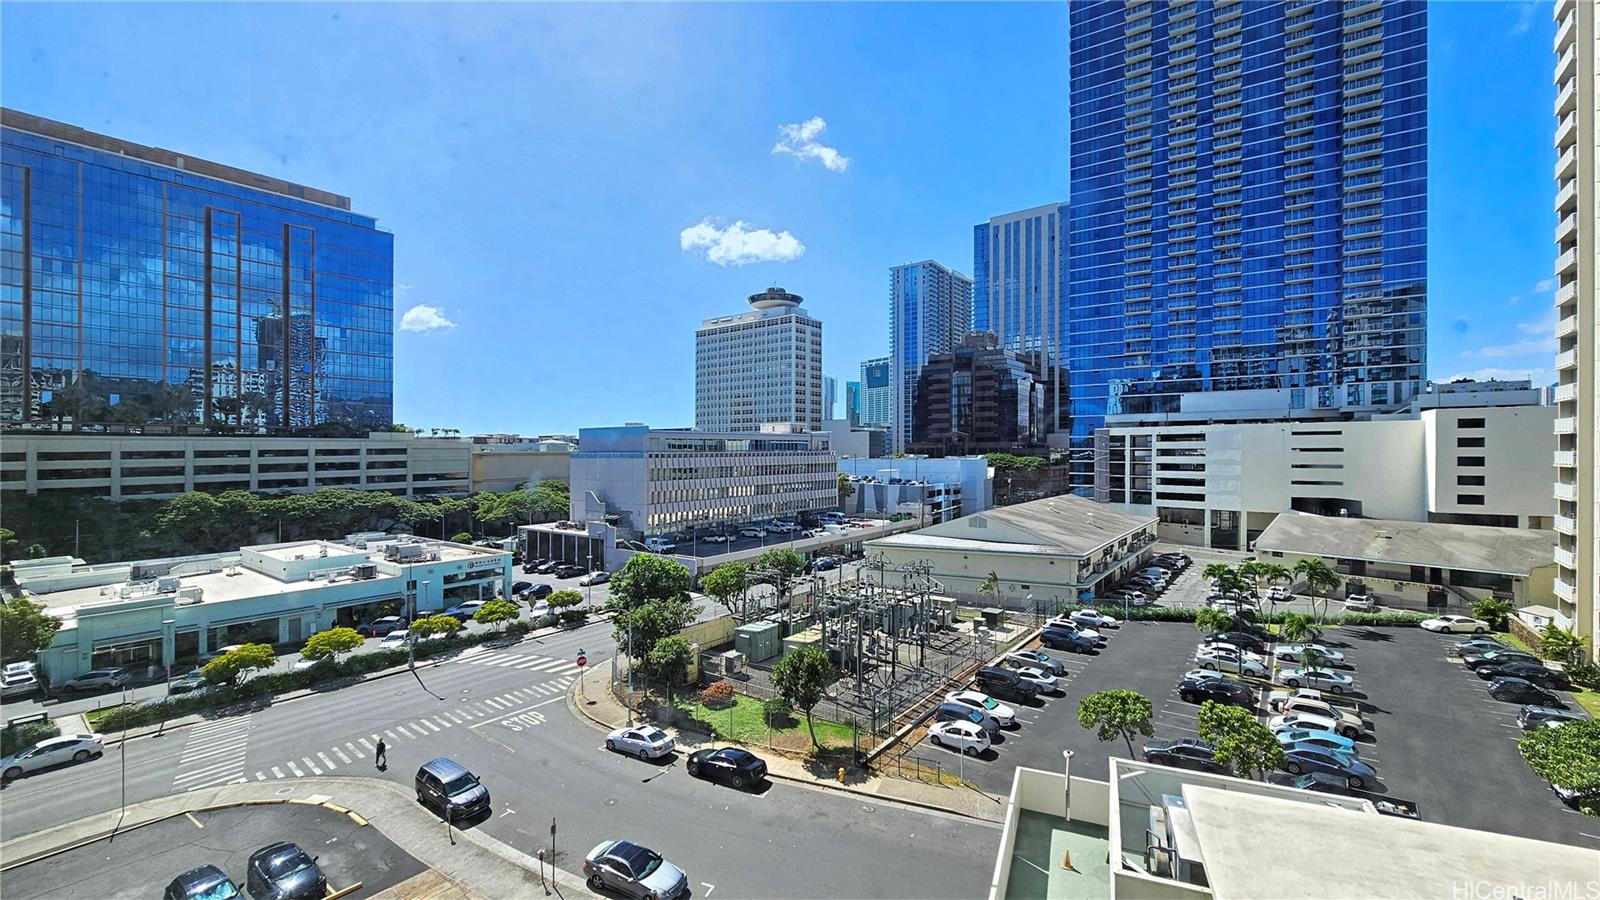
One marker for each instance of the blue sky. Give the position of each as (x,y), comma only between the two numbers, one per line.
(539,165)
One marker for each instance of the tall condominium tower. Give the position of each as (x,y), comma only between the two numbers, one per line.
(852,402)
(1248,206)
(877,392)
(1577,487)
(759,367)
(930,311)
(830,395)
(1019,271)
(141,286)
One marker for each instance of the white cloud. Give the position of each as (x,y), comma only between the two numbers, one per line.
(1540,340)
(1545,285)
(1538,376)
(800,141)
(739,244)
(425,318)
(1525,13)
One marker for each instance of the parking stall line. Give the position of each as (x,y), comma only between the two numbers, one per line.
(261,776)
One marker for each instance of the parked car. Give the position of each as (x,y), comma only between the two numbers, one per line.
(1574,798)
(521,587)
(448,787)
(1065,623)
(1243,640)
(1350,724)
(395,639)
(205,883)
(654,545)
(1316,738)
(1044,681)
(189,683)
(283,871)
(978,700)
(532,566)
(1204,675)
(826,563)
(569,571)
(381,626)
(218,652)
(540,591)
(73,748)
(1005,683)
(1221,690)
(1454,625)
(97,680)
(1534,716)
(634,871)
(716,539)
(752,532)
(964,737)
(1318,782)
(1307,758)
(643,741)
(19,683)
(1093,618)
(1321,679)
(549,565)
(1296,652)
(1360,603)
(1486,657)
(1226,658)
(464,611)
(1067,639)
(1521,690)
(1538,673)
(1480,644)
(597,577)
(958,712)
(1035,658)
(1185,753)
(733,765)
(1305,721)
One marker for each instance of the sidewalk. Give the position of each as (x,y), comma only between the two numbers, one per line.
(481,866)
(590,698)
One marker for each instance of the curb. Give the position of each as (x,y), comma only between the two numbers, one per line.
(145,731)
(823,785)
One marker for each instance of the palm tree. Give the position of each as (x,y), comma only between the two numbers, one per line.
(1212,621)
(1228,579)
(1560,644)
(1252,572)
(991,587)
(1296,629)
(1273,573)
(1320,580)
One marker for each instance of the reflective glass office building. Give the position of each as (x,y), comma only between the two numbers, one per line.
(1019,272)
(1248,207)
(141,286)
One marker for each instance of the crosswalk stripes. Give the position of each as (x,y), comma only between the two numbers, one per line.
(214,754)
(526,662)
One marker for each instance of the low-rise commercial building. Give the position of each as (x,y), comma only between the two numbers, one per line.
(1054,550)
(156,612)
(506,467)
(152,466)
(938,489)
(1419,565)
(1221,485)
(850,439)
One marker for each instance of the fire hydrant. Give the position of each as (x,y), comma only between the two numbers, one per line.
(841,774)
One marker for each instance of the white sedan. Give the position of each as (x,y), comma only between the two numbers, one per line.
(1091,618)
(54,751)
(977,700)
(594,578)
(1041,679)
(643,741)
(963,736)
(1455,625)
(1321,679)
(1302,722)
(1296,652)
(1228,659)
(1204,675)
(1072,624)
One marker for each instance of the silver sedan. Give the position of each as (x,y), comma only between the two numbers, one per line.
(54,751)
(643,741)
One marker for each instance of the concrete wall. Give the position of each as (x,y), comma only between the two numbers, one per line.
(711,632)
(1039,791)
(498,469)
(1402,593)
(1517,440)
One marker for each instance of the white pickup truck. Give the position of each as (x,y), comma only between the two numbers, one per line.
(1305,700)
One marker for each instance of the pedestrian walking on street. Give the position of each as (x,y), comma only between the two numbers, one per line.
(380,756)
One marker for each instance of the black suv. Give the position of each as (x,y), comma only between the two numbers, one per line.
(1538,673)
(447,786)
(284,872)
(1222,690)
(1005,684)
(1244,640)
(1185,753)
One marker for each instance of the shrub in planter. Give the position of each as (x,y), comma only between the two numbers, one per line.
(777,712)
(717,696)
(573,616)
(21,737)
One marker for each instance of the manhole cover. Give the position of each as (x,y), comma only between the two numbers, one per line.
(869,809)
(283,791)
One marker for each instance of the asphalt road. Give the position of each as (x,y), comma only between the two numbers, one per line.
(139,863)
(502,714)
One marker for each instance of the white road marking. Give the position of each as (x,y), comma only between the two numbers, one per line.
(431,725)
(261,776)
(456,718)
(391,735)
(365,743)
(311,765)
(295,769)
(402,730)
(441,720)
(277,772)
(326,761)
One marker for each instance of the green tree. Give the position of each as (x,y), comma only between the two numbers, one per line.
(803,676)
(847,489)
(1010,462)
(36,551)
(1560,644)
(639,628)
(461,537)
(8,540)
(1253,572)
(329,644)
(645,577)
(727,584)
(438,623)
(667,661)
(236,665)
(1116,713)
(782,566)
(563,599)
(1568,755)
(991,587)
(1320,580)
(1492,610)
(1212,621)
(1241,741)
(25,629)
(495,612)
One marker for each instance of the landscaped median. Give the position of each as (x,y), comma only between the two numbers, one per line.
(746,720)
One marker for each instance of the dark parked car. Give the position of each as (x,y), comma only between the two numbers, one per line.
(447,786)
(1244,640)
(568,571)
(1538,673)
(381,627)
(634,871)
(1533,716)
(540,591)
(956,712)
(1005,684)
(1222,690)
(284,872)
(1521,690)
(1477,658)
(204,883)
(1301,758)
(532,565)
(546,567)
(1185,753)
(1066,639)
(1480,644)
(730,764)
(521,586)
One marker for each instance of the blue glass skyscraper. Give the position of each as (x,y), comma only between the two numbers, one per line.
(930,310)
(1019,279)
(140,286)
(1248,207)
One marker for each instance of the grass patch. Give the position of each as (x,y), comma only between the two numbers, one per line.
(744,722)
(1589,700)
(1506,637)
(94,716)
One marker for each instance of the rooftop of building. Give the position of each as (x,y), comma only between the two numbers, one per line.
(1065,525)
(1465,548)
(62,131)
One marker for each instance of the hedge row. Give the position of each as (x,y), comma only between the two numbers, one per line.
(1169,614)
(151,711)
(21,737)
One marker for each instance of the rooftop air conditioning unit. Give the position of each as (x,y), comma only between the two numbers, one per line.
(366,571)
(167,584)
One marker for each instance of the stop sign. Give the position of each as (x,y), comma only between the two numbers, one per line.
(582,660)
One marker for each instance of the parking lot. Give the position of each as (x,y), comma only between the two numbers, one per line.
(1437,738)
(141,862)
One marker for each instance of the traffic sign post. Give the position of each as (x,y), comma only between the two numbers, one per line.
(583,660)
